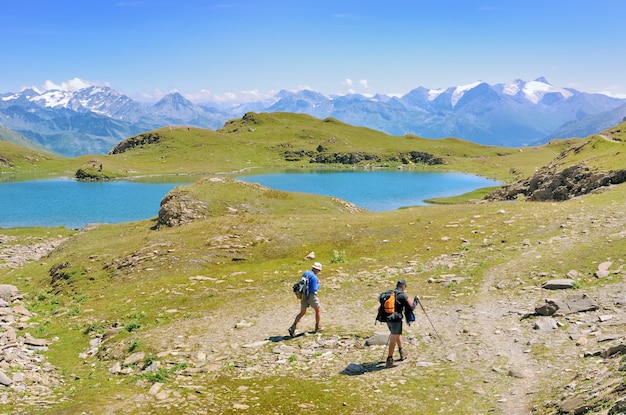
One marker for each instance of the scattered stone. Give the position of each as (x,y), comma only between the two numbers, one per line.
(605,266)
(202,278)
(602,273)
(243,324)
(377,339)
(514,373)
(575,405)
(240,406)
(5,380)
(611,351)
(558,284)
(155,388)
(256,344)
(32,379)
(116,368)
(572,304)
(609,337)
(545,324)
(134,358)
(8,292)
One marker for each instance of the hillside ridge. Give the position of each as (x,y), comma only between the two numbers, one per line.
(187,312)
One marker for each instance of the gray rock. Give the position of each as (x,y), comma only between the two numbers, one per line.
(558,284)
(5,380)
(8,292)
(514,373)
(602,274)
(134,358)
(545,324)
(572,304)
(377,339)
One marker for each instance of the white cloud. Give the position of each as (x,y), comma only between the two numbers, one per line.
(204,95)
(364,83)
(612,94)
(241,96)
(347,82)
(72,85)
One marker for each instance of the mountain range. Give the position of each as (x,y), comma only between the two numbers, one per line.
(520,113)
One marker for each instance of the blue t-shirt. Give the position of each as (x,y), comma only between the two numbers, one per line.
(314,283)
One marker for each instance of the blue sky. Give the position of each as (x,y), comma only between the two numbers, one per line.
(245,49)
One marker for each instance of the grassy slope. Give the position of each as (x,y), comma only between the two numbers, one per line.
(8,136)
(258,141)
(130,274)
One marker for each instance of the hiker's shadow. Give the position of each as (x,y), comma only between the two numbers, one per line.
(355,369)
(277,339)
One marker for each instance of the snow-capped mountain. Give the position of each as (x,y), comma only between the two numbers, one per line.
(95,119)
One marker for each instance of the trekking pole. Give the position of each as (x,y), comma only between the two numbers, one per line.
(431,323)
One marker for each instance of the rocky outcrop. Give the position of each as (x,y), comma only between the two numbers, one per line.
(15,254)
(548,185)
(179,208)
(25,376)
(136,141)
(322,157)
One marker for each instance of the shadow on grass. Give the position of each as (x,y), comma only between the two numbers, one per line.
(277,339)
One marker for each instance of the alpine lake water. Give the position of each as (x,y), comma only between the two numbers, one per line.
(74,204)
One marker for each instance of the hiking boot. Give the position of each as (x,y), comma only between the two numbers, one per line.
(292,331)
(403,354)
(319,328)
(389,363)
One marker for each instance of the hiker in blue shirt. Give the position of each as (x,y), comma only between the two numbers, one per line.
(310,299)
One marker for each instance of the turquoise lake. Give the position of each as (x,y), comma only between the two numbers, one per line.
(74,204)
(375,190)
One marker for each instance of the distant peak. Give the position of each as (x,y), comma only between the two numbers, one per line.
(542,80)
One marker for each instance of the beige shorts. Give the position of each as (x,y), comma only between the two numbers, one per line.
(311,301)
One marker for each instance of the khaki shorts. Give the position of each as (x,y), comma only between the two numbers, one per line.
(311,301)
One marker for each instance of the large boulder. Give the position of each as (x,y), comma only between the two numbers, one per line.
(9,293)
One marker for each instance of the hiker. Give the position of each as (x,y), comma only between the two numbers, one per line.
(403,309)
(310,299)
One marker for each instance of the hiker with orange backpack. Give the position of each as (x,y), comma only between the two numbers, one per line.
(396,306)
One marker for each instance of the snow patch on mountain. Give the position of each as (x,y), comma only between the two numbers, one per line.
(534,91)
(53,99)
(434,93)
(459,91)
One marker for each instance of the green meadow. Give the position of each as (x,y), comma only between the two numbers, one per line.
(210,300)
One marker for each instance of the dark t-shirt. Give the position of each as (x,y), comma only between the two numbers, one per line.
(403,307)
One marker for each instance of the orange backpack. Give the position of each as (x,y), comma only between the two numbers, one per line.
(387,305)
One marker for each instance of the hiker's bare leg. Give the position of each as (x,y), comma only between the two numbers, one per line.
(299,316)
(318,317)
(393,340)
